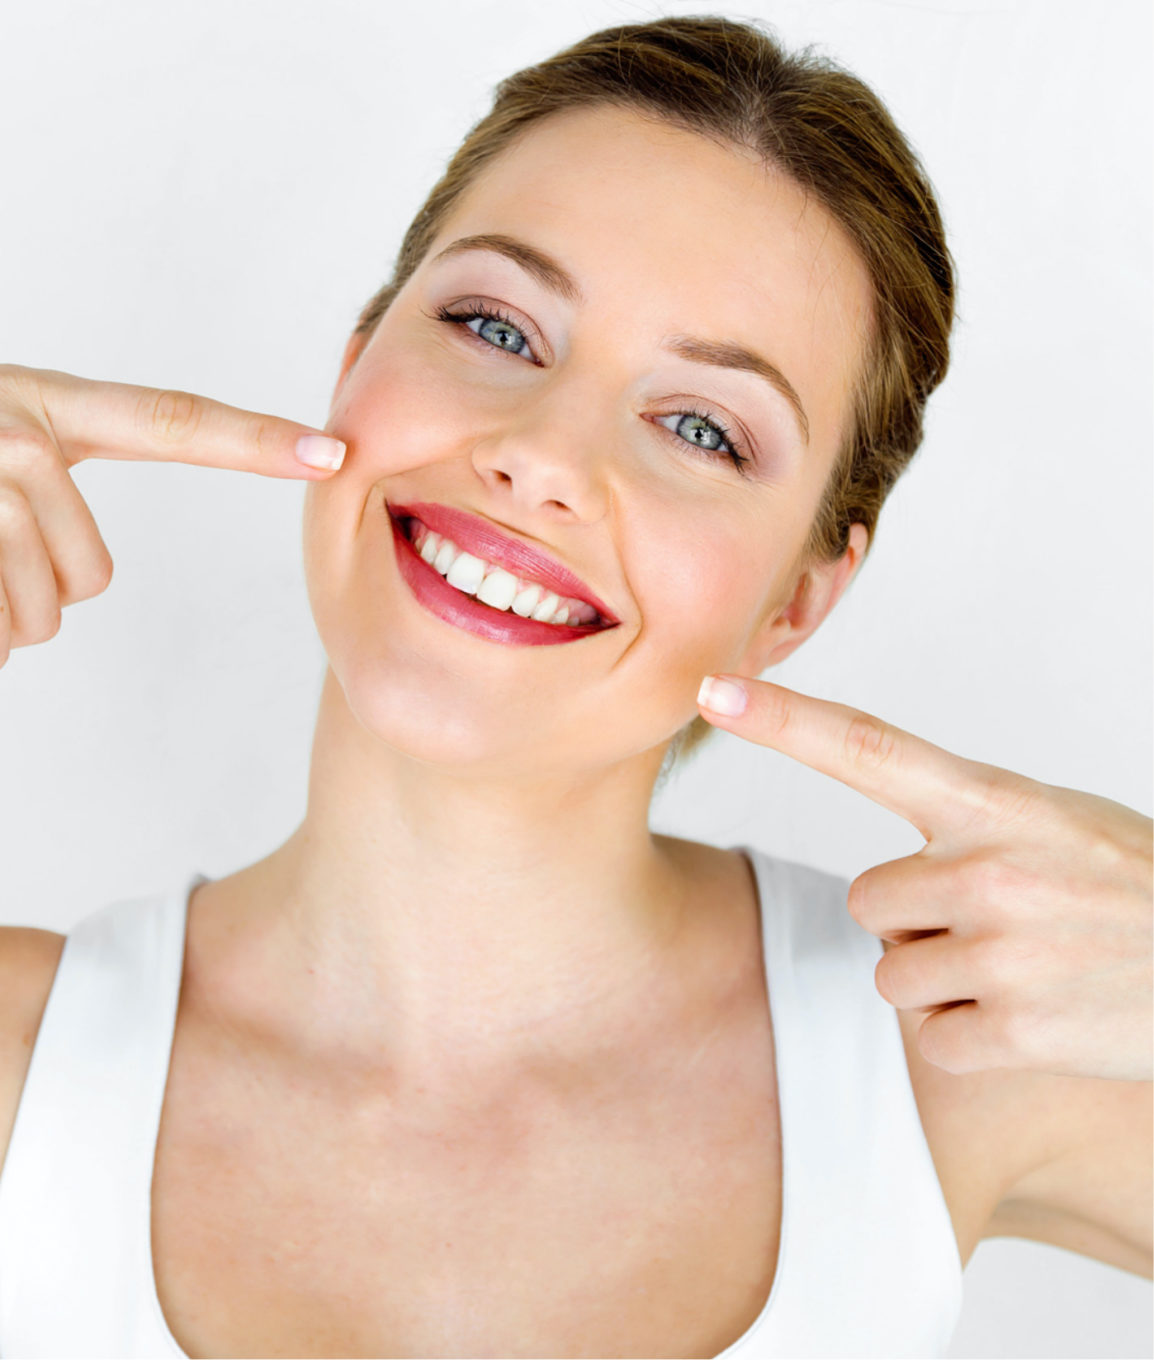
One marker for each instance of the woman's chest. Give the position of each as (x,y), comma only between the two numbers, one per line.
(284,1225)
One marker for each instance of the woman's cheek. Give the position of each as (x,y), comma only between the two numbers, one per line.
(394,419)
(691,569)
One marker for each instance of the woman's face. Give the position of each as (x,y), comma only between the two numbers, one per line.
(583,423)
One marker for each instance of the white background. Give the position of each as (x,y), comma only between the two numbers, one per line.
(202,196)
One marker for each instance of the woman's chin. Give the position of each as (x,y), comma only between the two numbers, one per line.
(413,718)
(400,709)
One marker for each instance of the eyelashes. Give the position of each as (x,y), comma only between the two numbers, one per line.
(712,424)
(487,313)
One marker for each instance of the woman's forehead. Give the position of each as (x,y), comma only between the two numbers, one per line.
(642,184)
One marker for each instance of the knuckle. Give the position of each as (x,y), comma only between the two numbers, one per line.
(869,741)
(1008,798)
(43,629)
(169,415)
(103,568)
(993,964)
(11,376)
(264,437)
(777,711)
(991,878)
(15,511)
(24,449)
(1023,1032)
(883,980)
(95,578)
(858,899)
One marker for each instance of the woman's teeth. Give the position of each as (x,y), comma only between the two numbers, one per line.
(494,585)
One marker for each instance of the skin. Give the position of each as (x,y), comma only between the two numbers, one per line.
(474,900)
(1022,931)
(473,917)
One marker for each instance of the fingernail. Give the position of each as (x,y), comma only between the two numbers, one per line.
(319,451)
(722,696)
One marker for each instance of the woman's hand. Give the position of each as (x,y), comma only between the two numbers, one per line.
(51,552)
(1022,927)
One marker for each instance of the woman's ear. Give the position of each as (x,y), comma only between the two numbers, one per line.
(353,348)
(817,589)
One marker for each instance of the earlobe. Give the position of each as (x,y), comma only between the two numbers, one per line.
(818,588)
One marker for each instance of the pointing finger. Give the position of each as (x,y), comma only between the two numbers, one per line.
(89,419)
(928,786)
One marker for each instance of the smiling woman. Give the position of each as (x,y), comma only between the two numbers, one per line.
(551,362)
(828,140)
(475,1063)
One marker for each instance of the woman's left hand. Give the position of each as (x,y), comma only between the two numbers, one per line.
(1023,927)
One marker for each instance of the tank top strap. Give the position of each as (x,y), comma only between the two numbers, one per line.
(75,1195)
(868,1262)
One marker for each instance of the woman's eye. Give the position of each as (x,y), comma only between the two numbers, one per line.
(491,327)
(704,433)
(497,331)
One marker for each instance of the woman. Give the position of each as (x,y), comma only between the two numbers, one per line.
(475,1063)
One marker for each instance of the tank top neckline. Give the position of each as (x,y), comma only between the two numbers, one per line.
(769,964)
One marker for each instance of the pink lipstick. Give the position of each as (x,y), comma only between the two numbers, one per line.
(481,539)
(454,606)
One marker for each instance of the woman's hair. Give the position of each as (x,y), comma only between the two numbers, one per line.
(805,115)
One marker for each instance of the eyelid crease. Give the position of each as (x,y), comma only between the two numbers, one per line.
(740,449)
(463,310)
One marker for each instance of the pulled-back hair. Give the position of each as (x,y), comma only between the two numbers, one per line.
(733,83)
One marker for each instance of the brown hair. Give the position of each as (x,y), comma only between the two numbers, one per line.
(734,83)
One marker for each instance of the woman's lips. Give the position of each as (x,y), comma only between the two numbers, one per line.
(454,606)
(482,540)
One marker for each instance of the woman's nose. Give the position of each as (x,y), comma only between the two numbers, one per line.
(548,455)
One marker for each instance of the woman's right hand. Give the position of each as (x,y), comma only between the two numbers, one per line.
(51,552)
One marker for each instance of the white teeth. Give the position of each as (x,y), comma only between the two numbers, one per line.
(466,573)
(547,608)
(444,558)
(526,601)
(495,586)
(498,588)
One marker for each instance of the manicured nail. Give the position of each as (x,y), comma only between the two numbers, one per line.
(722,696)
(319,451)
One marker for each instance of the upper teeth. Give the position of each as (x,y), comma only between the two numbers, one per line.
(494,585)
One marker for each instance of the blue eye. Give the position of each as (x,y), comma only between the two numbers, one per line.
(692,427)
(698,429)
(495,329)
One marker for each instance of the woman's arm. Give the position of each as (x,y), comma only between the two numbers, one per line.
(1022,933)
(1089,1187)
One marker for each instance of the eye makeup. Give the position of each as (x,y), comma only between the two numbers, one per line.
(497,324)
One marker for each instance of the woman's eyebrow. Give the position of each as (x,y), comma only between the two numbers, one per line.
(723,354)
(557,279)
(548,273)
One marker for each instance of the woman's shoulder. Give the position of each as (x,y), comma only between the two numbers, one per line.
(29,957)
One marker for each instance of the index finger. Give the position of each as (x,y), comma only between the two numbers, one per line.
(90,419)
(930,787)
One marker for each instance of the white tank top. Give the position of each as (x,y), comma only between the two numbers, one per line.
(868,1264)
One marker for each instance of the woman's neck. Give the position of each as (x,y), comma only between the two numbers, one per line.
(450,930)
